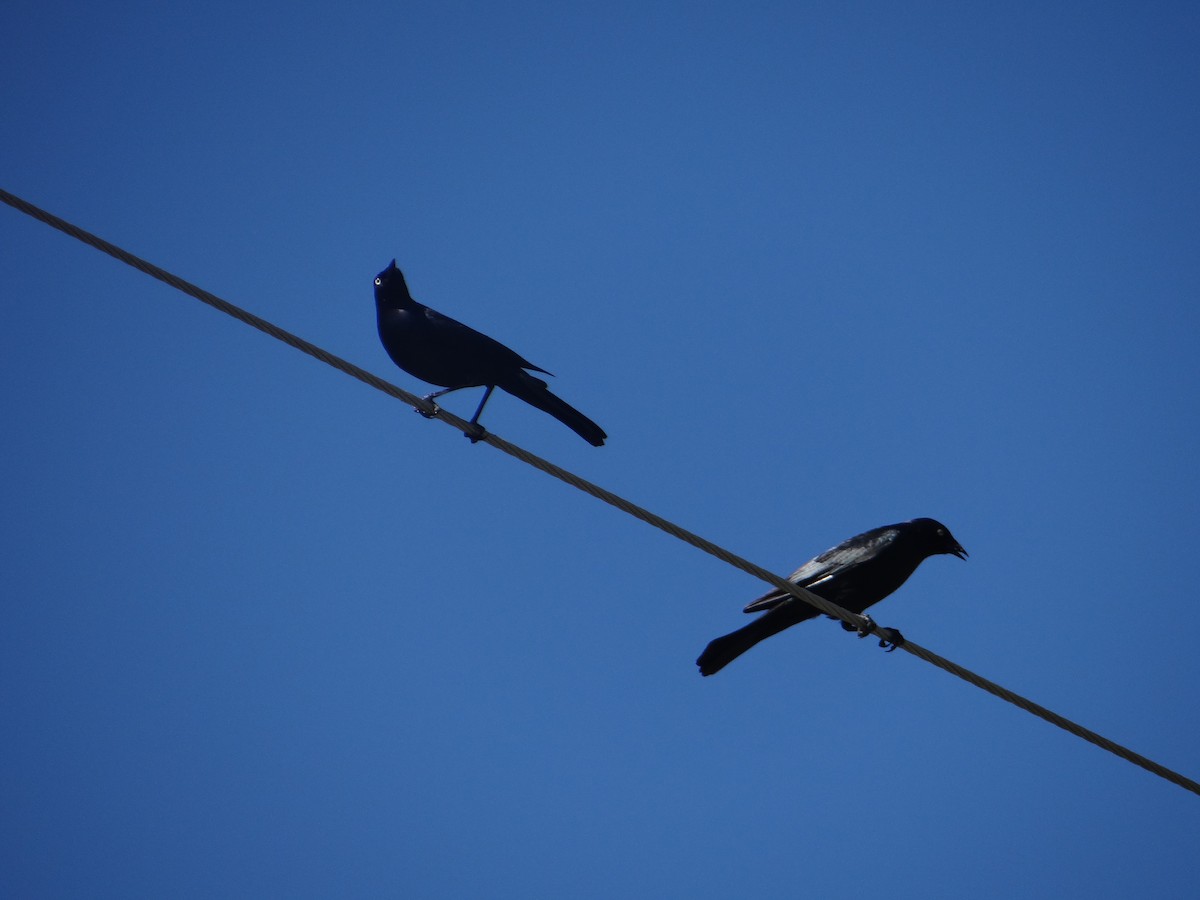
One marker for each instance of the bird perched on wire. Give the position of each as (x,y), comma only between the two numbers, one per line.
(855,574)
(435,348)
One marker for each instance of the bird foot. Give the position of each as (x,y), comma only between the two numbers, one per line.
(475,432)
(889,638)
(428,398)
(867,626)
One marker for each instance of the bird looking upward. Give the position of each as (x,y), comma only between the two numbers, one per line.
(439,350)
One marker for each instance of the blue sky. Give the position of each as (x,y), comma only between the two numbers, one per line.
(814,267)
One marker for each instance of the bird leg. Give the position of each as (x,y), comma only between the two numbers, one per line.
(478,432)
(429,398)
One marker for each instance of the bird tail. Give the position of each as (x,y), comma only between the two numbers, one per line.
(721,651)
(535,392)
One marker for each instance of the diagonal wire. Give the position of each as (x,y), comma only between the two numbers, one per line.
(594,490)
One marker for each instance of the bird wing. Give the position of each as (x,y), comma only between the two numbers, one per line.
(823,569)
(476,344)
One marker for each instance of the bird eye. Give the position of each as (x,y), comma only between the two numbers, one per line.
(378,281)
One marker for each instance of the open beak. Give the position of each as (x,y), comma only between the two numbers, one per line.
(959,551)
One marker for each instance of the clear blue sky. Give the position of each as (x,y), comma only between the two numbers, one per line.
(814,267)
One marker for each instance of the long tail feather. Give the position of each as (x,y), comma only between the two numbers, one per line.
(721,651)
(534,392)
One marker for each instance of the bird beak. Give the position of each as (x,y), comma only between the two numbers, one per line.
(959,551)
(393,265)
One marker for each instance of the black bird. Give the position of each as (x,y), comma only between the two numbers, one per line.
(437,349)
(855,574)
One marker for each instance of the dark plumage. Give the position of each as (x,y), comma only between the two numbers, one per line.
(855,574)
(437,349)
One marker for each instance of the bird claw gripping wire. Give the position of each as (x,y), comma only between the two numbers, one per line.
(476,434)
(889,638)
(865,627)
(428,398)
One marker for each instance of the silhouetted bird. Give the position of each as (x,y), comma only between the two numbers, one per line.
(855,574)
(437,349)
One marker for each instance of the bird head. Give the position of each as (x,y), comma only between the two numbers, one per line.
(391,288)
(938,539)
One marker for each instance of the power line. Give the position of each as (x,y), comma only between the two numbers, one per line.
(588,487)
